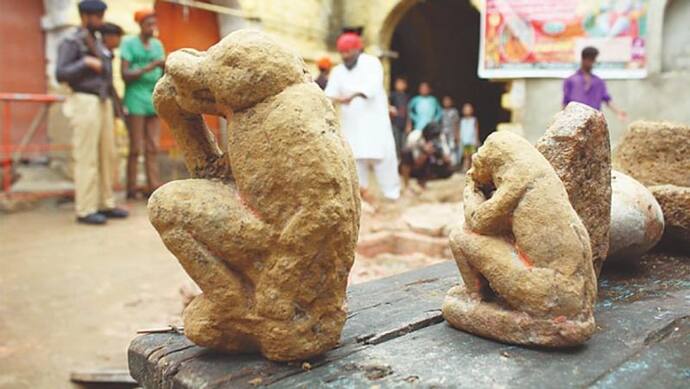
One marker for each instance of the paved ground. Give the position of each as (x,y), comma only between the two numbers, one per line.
(72,296)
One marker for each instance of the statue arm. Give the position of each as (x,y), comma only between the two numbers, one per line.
(491,216)
(203,157)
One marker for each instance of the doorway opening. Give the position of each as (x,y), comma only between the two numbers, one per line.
(438,41)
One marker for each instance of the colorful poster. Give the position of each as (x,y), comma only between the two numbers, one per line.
(544,38)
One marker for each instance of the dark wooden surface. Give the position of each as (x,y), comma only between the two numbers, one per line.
(395,336)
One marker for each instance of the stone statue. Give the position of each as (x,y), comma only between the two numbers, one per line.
(523,253)
(268,225)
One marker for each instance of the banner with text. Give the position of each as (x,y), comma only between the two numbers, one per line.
(544,38)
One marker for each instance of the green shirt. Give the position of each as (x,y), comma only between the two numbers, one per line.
(138,93)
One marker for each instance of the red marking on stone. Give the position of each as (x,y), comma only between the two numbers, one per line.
(559,319)
(245,204)
(524,258)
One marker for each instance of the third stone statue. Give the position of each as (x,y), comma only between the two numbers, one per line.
(268,223)
(523,253)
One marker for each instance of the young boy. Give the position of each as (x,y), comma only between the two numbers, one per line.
(398,101)
(450,122)
(424,108)
(428,158)
(469,135)
(111,34)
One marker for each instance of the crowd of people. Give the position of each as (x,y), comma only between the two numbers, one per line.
(85,63)
(396,135)
(418,137)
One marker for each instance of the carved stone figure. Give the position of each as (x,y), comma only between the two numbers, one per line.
(523,253)
(267,226)
(577,146)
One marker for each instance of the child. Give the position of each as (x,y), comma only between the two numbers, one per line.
(469,135)
(398,101)
(424,108)
(450,122)
(427,159)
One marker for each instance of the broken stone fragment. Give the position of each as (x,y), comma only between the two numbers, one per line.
(523,253)
(655,153)
(637,222)
(658,155)
(675,203)
(577,146)
(268,224)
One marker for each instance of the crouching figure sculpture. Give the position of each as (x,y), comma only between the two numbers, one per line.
(267,226)
(523,253)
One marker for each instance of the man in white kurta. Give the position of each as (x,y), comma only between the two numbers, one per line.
(357,85)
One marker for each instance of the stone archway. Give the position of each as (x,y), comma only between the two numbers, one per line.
(438,41)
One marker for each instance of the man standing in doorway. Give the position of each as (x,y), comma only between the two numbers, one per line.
(357,85)
(586,88)
(143,60)
(84,64)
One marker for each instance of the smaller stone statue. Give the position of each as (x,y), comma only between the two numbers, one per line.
(267,225)
(523,253)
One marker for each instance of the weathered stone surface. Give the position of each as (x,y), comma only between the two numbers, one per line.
(432,219)
(655,153)
(523,253)
(675,203)
(577,146)
(637,222)
(268,227)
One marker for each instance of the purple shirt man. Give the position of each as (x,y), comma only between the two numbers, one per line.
(590,91)
(586,88)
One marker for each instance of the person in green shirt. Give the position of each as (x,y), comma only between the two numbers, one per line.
(424,108)
(143,62)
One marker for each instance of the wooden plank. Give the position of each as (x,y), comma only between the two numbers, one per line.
(378,311)
(395,336)
(102,376)
(441,356)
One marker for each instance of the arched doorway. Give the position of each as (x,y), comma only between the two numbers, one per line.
(438,41)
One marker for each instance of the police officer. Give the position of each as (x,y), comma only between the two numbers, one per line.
(84,64)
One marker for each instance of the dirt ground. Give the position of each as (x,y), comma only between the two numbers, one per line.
(73,296)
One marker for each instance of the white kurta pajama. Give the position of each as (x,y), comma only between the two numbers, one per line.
(365,122)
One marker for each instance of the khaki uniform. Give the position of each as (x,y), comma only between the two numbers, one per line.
(93,141)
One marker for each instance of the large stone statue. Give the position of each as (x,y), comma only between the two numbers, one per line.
(267,226)
(523,253)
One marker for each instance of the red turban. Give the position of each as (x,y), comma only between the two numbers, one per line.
(348,41)
(142,14)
